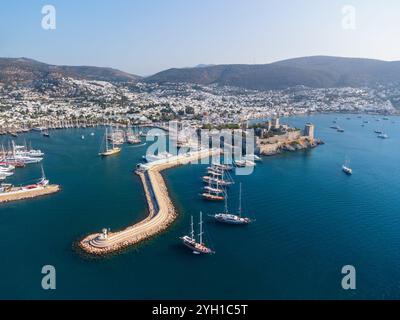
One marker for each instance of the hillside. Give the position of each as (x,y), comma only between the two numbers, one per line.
(27,71)
(315,72)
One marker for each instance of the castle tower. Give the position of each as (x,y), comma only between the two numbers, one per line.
(275,123)
(309,131)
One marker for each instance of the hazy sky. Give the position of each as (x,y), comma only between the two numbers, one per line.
(146,36)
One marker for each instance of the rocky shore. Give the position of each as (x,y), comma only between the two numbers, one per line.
(290,146)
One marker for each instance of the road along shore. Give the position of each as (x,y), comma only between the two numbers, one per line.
(16,194)
(162,212)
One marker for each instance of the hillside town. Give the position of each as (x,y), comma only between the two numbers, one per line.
(73,102)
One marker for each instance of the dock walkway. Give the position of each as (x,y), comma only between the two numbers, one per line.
(17,194)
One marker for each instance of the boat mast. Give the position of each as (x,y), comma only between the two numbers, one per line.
(112,138)
(201,228)
(43,174)
(106,139)
(240,200)
(226,202)
(192,229)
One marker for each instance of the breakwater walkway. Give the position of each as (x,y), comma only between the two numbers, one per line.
(162,212)
(21,193)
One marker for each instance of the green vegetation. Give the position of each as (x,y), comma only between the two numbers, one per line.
(189,110)
(229,126)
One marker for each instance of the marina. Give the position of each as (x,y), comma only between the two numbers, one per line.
(18,156)
(293,196)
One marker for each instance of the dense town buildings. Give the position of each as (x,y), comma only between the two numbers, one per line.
(83,101)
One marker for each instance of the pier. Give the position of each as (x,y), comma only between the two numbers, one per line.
(16,194)
(162,212)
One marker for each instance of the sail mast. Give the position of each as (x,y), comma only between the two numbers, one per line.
(112,138)
(201,228)
(240,200)
(106,139)
(43,174)
(226,202)
(192,229)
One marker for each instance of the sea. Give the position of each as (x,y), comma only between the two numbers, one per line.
(311,220)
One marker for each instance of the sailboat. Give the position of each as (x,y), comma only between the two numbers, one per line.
(15,157)
(228,218)
(212,193)
(109,152)
(346,168)
(191,243)
(222,167)
(46,133)
(43,180)
(215,178)
(132,138)
(242,163)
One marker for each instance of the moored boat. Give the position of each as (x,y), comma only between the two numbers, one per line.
(244,163)
(229,218)
(251,157)
(109,151)
(216,181)
(197,247)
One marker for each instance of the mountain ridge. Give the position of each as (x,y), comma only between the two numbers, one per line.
(314,71)
(27,71)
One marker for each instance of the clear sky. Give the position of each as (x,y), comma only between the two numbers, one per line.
(147,36)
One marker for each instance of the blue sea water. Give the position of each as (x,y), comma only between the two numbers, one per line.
(311,220)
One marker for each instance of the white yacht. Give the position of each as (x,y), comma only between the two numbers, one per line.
(244,163)
(29,153)
(161,156)
(229,218)
(383,136)
(346,168)
(24,159)
(251,157)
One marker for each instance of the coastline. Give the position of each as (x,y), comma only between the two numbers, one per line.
(289,146)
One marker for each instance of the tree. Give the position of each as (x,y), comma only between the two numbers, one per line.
(189,110)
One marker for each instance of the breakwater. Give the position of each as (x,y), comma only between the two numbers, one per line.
(16,194)
(162,212)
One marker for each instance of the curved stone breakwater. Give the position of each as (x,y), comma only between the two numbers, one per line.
(16,194)
(162,212)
